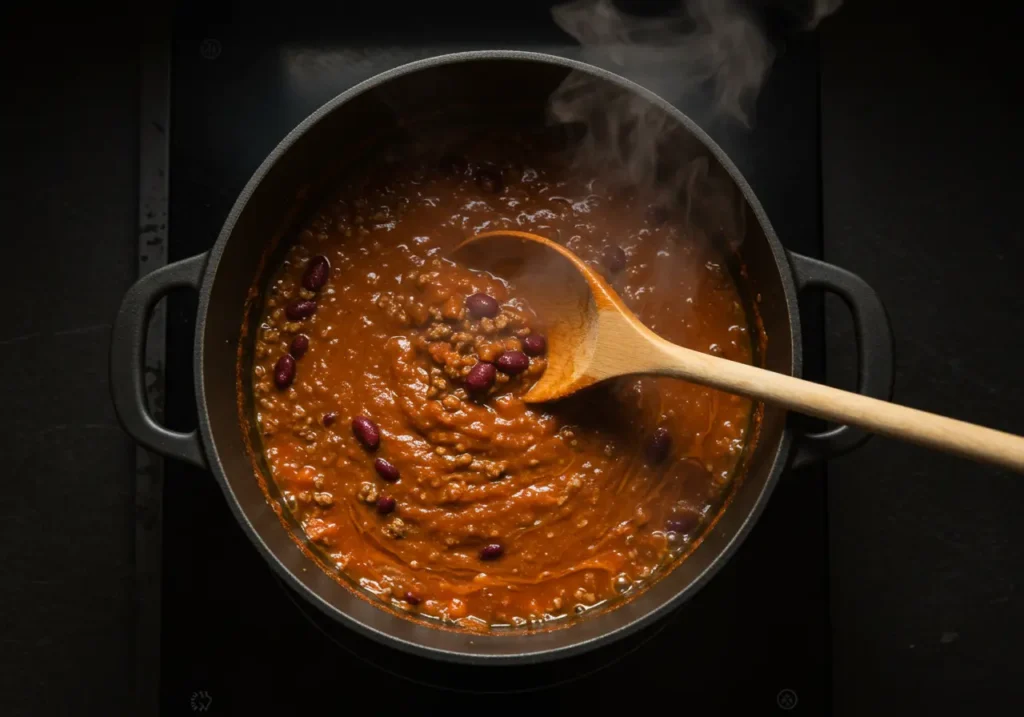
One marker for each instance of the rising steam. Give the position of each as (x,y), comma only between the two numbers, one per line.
(716,47)
(709,56)
(708,44)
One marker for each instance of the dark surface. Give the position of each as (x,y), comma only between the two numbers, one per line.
(922,185)
(921,151)
(68,189)
(232,104)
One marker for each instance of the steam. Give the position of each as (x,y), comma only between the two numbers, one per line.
(710,57)
(820,9)
(716,46)
(708,44)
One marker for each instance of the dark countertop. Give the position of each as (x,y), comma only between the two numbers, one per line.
(922,151)
(67,525)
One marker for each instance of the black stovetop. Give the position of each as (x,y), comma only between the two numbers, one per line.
(232,629)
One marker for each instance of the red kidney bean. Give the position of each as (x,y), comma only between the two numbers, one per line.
(386,504)
(535,344)
(317,271)
(491,552)
(481,377)
(513,362)
(412,598)
(614,259)
(366,432)
(300,344)
(386,470)
(659,445)
(330,418)
(682,524)
(284,372)
(301,309)
(490,179)
(482,305)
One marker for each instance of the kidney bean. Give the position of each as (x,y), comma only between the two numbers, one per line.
(301,309)
(330,418)
(659,445)
(535,344)
(681,524)
(481,377)
(412,598)
(300,344)
(386,470)
(490,179)
(316,274)
(491,552)
(513,362)
(481,306)
(614,259)
(386,504)
(284,372)
(366,432)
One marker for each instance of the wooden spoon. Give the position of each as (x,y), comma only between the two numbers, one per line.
(592,336)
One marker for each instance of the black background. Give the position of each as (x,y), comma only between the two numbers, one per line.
(921,148)
(922,151)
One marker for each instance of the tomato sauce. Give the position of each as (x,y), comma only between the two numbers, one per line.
(389,382)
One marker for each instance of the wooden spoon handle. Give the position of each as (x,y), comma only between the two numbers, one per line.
(889,419)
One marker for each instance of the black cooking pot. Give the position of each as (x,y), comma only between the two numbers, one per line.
(486,82)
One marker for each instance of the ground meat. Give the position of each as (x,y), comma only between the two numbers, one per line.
(368,492)
(395,528)
(460,476)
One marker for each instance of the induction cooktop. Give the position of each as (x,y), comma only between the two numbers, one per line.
(232,637)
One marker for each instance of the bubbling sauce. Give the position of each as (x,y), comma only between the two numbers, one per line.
(389,383)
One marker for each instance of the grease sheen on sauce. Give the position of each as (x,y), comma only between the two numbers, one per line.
(492,512)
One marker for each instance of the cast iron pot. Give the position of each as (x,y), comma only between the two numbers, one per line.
(223,277)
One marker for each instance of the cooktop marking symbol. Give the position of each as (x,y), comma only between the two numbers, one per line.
(210,48)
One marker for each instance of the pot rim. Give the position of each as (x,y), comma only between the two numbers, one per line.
(526,654)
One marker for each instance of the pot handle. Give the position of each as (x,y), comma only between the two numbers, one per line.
(126,372)
(874,352)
